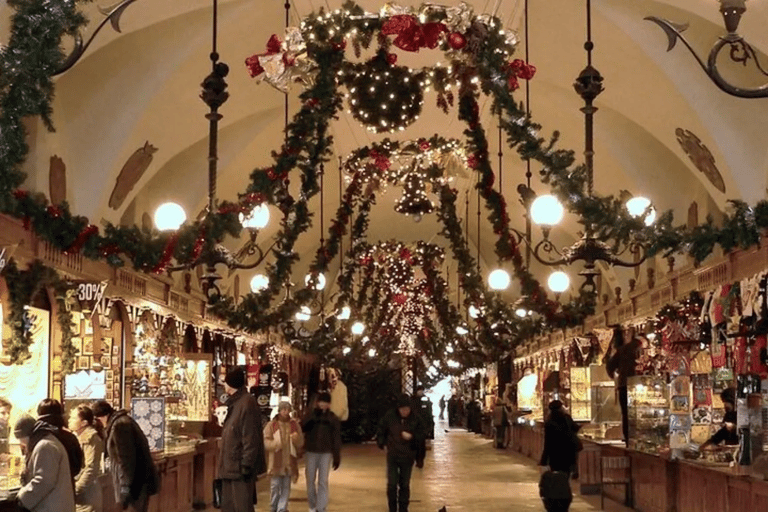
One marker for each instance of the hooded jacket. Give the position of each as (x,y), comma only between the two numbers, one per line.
(46,481)
(133,470)
(242,441)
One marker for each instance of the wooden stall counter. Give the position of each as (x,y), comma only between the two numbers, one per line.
(717,487)
(528,439)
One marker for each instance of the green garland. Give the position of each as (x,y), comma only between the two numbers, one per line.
(23,287)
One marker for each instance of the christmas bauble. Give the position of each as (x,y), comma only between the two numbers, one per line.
(457,41)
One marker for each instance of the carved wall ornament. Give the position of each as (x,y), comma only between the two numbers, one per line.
(131,173)
(701,157)
(57,180)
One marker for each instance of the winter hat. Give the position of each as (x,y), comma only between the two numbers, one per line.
(235,378)
(730,417)
(24,427)
(403,400)
(324,397)
(285,405)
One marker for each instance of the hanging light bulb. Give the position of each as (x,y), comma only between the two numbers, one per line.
(558,281)
(303,314)
(499,279)
(461,330)
(346,350)
(637,206)
(345,313)
(169,217)
(521,312)
(546,210)
(365,340)
(257,219)
(372,352)
(259,282)
(319,281)
(474,312)
(358,328)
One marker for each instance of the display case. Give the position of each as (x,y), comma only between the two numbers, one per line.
(580,394)
(648,401)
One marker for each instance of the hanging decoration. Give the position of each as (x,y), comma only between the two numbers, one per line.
(414,201)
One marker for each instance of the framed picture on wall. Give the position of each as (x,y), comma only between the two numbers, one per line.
(83,363)
(115,362)
(109,385)
(87,346)
(115,350)
(87,326)
(105,361)
(78,344)
(110,375)
(108,395)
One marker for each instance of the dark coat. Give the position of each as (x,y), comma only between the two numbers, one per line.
(561,443)
(130,461)
(389,433)
(46,482)
(623,362)
(242,439)
(322,433)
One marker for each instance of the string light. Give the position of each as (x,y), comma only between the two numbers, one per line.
(414,200)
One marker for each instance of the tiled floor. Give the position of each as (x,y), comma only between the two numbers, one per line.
(462,472)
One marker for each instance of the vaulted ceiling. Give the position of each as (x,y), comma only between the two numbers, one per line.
(142,86)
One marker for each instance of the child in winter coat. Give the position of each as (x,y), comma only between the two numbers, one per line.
(283,441)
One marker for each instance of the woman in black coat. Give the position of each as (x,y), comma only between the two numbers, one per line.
(561,447)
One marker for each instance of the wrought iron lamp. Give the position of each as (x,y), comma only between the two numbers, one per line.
(739,50)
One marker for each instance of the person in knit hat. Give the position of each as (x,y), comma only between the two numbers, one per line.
(322,430)
(242,446)
(283,441)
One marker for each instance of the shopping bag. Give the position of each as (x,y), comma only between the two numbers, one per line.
(217,489)
(555,485)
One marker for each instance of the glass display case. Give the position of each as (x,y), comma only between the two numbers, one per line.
(580,394)
(648,400)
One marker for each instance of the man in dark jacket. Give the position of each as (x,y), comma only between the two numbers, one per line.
(322,440)
(401,432)
(242,446)
(51,413)
(134,475)
(621,366)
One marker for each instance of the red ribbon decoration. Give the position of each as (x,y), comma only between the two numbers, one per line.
(167,254)
(412,35)
(83,237)
(273,47)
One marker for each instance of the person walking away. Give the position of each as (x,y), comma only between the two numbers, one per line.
(88,496)
(242,446)
(424,408)
(51,412)
(322,435)
(134,475)
(500,422)
(283,441)
(401,432)
(442,408)
(46,480)
(560,452)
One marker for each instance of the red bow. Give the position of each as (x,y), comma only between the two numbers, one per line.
(273,47)
(412,35)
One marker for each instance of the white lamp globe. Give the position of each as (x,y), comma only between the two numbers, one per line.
(345,313)
(259,282)
(521,312)
(358,328)
(558,281)
(461,330)
(499,279)
(372,352)
(546,210)
(303,314)
(169,217)
(257,219)
(474,312)
(346,350)
(637,206)
(319,283)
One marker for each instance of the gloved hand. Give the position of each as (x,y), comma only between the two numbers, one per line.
(336,464)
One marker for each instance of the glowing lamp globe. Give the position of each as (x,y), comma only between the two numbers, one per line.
(558,281)
(257,219)
(358,328)
(169,217)
(521,312)
(546,210)
(259,282)
(346,350)
(372,352)
(638,205)
(345,313)
(303,314)
(474,312)
(499,279)
(319,282)
(461,330)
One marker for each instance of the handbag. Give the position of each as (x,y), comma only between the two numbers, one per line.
(555,485)
(217,489)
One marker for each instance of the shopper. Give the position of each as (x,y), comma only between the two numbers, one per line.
(561,446)
(424,408)
(51,412)
(283,441)
(88,496)
(442,407)
(134,475)
(46,480)
(5,425)
(242,446)
(621,366)
(322,431)
(401,432)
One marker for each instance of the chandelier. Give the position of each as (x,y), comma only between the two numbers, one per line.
(546,210)
(739,50)
(170,216)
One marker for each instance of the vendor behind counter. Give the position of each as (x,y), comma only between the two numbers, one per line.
(727,434)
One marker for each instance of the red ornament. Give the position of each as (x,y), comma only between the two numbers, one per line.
(311,102)
(391,59)
(400,298)
(110,249)
(412,35)
(512,83)
(424,145)
(527,72)
(20,194)
(252,62)
(83,237)
(54,211)
(339,45)
(254,66)
(472,162)
(457,41)
(253,198)
(165,258)
(273,45)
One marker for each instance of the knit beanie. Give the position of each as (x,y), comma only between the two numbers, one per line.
(403,400)
(324,397)
(24,427)
(235,378)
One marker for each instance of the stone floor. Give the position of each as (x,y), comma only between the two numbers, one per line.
(462,472)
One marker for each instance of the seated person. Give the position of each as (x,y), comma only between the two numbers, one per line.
(727,433)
